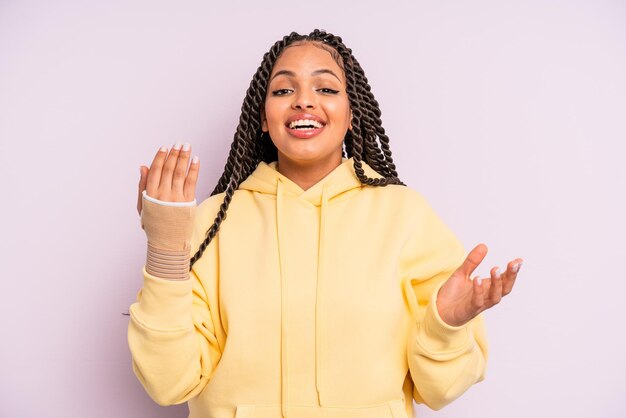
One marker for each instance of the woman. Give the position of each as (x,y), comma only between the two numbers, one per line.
(323,294)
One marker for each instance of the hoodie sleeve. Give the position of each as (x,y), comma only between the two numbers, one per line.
(171,333)
(444,361)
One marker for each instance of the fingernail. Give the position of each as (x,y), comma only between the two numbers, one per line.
(480,281)
(195,159)
(163,149)
(186,146)
(497,273)
(516,267)
(177,146)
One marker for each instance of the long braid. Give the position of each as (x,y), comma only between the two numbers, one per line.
(365,127)
(374,113)
(375,157)
(366,141)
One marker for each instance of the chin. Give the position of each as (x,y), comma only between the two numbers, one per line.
(307,151)
(311,159)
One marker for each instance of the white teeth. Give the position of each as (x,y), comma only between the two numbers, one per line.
(300,124)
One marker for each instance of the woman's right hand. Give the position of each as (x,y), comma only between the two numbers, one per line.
(170,177)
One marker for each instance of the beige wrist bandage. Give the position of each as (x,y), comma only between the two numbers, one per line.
(168,229)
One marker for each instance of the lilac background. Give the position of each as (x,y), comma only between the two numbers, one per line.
(508,116)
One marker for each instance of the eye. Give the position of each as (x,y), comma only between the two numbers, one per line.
(281,92)
(328,91)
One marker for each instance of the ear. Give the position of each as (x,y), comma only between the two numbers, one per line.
(263,121)
(350,127)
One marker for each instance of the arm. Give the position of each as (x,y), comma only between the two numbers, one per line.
(447,349)
(171,334)
(444,361)
(172,339)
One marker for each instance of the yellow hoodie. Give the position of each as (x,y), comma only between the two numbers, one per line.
(309,304)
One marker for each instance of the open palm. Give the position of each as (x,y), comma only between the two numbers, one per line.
(462,296)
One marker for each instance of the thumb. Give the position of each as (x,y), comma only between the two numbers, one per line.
(143,170)
(473,259)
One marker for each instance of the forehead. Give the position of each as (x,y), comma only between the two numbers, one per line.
(305,58)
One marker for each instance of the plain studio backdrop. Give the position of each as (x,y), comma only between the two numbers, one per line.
(509,116)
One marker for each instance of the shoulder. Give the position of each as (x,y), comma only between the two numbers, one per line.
(427,232)
(405,194)
(403,199)
(413,210)
(211,203)
(206,212)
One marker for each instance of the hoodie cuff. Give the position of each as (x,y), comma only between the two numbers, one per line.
(164,305)
(436,336)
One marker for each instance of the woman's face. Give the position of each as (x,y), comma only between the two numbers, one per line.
(307,111)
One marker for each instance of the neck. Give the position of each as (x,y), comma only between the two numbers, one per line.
(307,174)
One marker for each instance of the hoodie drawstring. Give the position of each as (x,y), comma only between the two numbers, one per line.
(283,299)
(318,295)
(284,355)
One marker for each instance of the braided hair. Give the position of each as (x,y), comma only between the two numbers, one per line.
(366,141)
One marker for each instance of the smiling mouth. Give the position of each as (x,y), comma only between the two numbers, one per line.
(305,124)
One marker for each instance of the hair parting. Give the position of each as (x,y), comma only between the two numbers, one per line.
(366,142)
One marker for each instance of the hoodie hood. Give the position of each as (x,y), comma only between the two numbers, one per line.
(265,179)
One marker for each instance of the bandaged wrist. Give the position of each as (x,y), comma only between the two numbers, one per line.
(167,264)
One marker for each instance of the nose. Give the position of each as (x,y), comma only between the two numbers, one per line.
(304,100)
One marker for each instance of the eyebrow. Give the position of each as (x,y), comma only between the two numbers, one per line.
(316,72)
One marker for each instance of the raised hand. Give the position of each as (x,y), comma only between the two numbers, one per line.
(170,177)
(462,297)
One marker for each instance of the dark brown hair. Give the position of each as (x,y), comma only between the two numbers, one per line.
(366,141)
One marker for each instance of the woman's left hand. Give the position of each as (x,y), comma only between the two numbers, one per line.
(462,297)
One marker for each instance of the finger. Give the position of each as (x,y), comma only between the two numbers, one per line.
(473,259)
(478,294)
(143,179)
(167,173)
(495,293)
(154,173)
(485,283)
(180,171)
(189,189)
(509,276)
